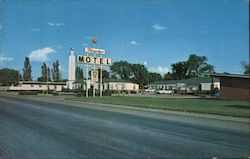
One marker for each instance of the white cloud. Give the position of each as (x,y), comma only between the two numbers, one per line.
(41,54)
(158,27)
(55,24)
(50,24)
(59,24)
(3,58)
(159,69)
(35,29)
(134,43)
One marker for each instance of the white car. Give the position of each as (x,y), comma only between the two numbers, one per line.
(164,91)
(149,90)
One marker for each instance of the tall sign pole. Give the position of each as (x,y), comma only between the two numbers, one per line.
(94,41)
(87,80)
(101,79)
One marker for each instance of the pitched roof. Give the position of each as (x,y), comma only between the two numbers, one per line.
(190,81)
(104,80)
(37,82)
(229,75)
(108,80)
(79,81)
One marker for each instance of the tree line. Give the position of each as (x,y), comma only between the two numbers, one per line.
(194,66)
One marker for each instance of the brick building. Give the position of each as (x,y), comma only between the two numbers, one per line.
(236,87)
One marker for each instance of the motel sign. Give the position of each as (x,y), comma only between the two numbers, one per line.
(92,60)
(98,60)
(94,50)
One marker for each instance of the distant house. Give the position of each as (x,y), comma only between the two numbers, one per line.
(38,86)
(186,85)
(233,86)
(108,84)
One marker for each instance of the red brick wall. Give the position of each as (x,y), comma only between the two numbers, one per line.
(235,88)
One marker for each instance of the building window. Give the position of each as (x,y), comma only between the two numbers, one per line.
(111,86)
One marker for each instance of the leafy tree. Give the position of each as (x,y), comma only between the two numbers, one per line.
(246,67)
(197,66)
(79,73)
(45,71)
(139,74)
(179,70)
(168,76)
(56,71)
(8,77)
(154,77)
(136,73)
(27,70)
(122,70)
(105,73)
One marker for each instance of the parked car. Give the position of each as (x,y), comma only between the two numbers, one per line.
(149,90)
(164,91)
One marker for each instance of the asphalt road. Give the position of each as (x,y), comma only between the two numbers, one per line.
(32,129)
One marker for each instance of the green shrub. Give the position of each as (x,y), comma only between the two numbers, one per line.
(124,92)
(28,92)
(107,92)
(81,94)
(133,92)
(55,93)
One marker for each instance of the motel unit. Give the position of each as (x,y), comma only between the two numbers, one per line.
(108,84)
(38,86)
(188,85)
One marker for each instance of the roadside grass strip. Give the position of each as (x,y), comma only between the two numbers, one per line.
(205,106)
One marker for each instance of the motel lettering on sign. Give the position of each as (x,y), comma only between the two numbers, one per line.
(92,60)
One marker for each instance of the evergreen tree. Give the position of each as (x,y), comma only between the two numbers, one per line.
(55,71)
(79,73)
(27,70)
(45,74)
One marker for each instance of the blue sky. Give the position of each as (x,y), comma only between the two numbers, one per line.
(152,32)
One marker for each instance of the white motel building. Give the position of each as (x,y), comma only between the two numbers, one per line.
(108,84)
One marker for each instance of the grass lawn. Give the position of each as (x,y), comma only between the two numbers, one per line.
(208,106)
